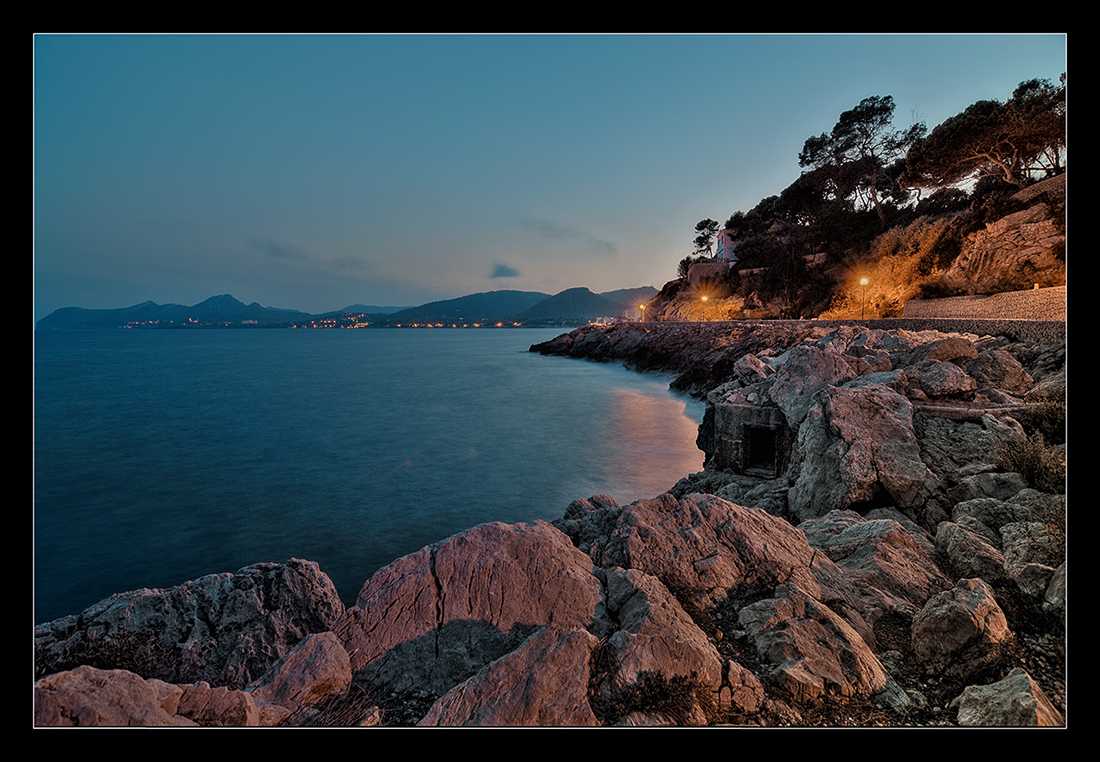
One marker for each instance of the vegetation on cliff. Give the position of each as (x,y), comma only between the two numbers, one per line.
(892,206)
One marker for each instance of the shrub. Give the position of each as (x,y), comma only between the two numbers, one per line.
(902,263)
(672,697)
(1042,466)
(1047,417)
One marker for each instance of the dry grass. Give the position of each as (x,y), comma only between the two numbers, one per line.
(900,265)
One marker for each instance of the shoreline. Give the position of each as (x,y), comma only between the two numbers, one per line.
(607,554)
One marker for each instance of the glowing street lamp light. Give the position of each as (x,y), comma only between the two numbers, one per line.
(642,308)
(863,306)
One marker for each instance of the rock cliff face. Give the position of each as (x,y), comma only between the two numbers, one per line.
(1012,254)
(886,571)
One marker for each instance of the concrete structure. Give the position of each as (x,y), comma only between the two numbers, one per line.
(705,274)
(752,440)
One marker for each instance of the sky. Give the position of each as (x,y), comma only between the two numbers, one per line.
(313,172)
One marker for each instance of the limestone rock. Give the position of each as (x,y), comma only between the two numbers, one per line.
(750,369)
(742,691)
(998,368)
(1001,486)
(1016,701)
(1012,253)
(1054,601)
(935,378)
(990,511)
(706,549)
(955,450)
(803,371)
(814,651)
(857,446)
(435,618)
(227,629)
(588,522)
(953,349)
(218,707)
(317,667)
(961,631)
(90,697)
(544,682)
(892,571)
(969,552)
(655,636)
(1031,550)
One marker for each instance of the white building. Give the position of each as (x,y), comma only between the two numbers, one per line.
(726,251)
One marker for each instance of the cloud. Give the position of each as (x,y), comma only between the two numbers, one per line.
(504,271)
(550,229)
(276,248)
(353,263)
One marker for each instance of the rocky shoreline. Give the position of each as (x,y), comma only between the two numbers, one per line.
(878,566)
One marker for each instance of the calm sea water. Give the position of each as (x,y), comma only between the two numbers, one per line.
(161,456)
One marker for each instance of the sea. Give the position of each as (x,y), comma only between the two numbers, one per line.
(161,456)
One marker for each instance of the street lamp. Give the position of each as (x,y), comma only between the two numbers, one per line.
(862,307)
(642,308)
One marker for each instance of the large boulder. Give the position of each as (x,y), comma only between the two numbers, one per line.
(857,448)
(958,450)
(706,549)
(997,368)
(218,706)
(934,379)
(544,682)
(797,609)
(655,637)
(317,668)
(226,629)
(90,697)
(937,347)
(1031,550)
(961,632)
(435,618)
(970,550)
(813,651)
(887,560)
(804,370)
(1015,701)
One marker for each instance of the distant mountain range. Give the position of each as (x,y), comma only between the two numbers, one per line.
(476,308)
(226,312)
(217,310)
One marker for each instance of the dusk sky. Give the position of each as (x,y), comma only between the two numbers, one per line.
(315,172)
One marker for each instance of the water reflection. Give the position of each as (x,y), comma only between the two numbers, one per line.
(654,447)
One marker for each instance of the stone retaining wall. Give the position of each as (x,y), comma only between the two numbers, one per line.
(1034,304)
(1040,331)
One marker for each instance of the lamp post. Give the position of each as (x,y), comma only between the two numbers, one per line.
(642,308)
(703,299)
(863,306)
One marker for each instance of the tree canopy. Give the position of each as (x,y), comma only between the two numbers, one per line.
(707,232)
(1011,140)
(855,154)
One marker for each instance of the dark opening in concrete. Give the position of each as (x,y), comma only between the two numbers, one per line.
(761,452)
